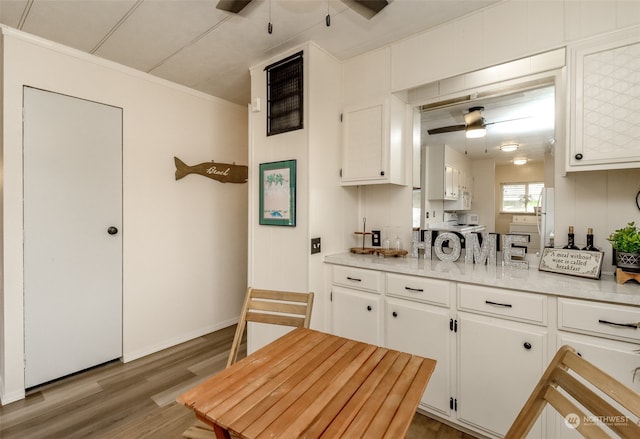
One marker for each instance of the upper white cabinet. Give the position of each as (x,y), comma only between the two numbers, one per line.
(447,172)
(373,149)
(604,126)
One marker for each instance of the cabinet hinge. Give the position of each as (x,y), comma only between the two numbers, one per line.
(453,404)
(453,325)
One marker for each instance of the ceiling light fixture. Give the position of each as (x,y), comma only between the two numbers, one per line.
(509,147)
(520,161)
(475,131)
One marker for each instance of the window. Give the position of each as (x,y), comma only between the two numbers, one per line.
(284,95)
(521,197)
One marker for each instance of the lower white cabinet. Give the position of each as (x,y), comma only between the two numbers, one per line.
(499,364)
(423,330)
(357,314)
(491,345)
(618,359)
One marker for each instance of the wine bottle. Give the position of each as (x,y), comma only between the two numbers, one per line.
(571,240)
(590,247)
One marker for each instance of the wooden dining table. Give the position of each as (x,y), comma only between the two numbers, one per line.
(310,384)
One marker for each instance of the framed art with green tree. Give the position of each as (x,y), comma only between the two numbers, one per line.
(278,193)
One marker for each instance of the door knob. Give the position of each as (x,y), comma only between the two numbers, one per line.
(112,230)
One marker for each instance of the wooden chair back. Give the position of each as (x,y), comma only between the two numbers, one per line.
(568,386)
(274,307)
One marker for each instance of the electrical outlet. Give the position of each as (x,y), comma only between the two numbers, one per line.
(375,238)
(315,246)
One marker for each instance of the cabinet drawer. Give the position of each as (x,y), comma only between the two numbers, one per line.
(617,321)
(514,305)
(419,288)
(367,280)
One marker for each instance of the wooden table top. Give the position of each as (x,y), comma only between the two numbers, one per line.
(310,384)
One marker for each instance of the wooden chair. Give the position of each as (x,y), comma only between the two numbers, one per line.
(591,408)
(263,306)
(274,307)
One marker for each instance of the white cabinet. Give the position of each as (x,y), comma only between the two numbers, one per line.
(605,88)
(422,329)
(502,353)
(373,146)
(357,315)
(447,172)
(604,334)
(356,304)
(499,364)
(618,359)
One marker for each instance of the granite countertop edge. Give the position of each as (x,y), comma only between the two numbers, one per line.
(532,280)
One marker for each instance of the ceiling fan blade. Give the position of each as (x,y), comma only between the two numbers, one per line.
(367,8)
(449,129)
(233,6)
(509,120)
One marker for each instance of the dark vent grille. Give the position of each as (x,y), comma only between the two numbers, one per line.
(285,95)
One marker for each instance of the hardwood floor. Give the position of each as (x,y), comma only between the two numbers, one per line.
(137,399)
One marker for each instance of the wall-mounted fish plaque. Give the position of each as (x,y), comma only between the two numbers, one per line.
(223,172)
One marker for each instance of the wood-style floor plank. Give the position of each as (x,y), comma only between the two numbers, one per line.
(137,400)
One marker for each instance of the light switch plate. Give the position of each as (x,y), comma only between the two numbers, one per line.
(315,246)
(375,238)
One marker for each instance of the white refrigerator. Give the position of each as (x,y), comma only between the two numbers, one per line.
(546,218)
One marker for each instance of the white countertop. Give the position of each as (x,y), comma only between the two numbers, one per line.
(605,289)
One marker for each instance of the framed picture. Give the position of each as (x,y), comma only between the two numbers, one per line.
(278,193)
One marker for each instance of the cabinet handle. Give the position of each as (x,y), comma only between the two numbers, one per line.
(395,314)
(355,279)
(382,173)
(527,345)
(504,305)
(417,290)
(369,308)
(624,325)
(578,156)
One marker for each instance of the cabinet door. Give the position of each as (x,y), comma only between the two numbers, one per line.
(423,330)
(605,91)
(618,359)
(356,315)
(365,135)
(499,364)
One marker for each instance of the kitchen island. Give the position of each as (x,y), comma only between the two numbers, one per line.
(492,329)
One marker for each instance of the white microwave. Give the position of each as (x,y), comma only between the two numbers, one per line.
(462,203)
(470,219)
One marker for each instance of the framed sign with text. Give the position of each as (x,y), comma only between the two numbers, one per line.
(573,262)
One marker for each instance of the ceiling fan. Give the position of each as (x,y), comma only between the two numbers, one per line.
(474,124)
(366,8)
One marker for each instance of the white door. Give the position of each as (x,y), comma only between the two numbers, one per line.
(72,242)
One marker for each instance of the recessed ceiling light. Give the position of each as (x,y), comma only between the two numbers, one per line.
(520,161)
(509,148)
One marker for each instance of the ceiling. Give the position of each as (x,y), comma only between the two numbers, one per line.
(190,42)
(526,118)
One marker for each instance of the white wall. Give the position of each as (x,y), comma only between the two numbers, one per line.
(279,257)
(184,242)
(500,33)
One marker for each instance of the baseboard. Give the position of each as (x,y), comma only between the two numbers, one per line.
(130,356)
(8,398)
